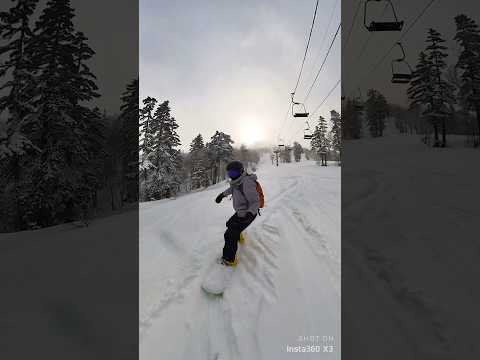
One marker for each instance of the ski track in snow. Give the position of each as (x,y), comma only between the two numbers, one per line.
(178,319)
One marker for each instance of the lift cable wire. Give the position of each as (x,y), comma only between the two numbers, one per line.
(306,48)
(351,26)
(367,41)
(325,34)
(318,107)
(301,67)
(284,121)
(365,44)
(412,24)
(326,97)
(323,63)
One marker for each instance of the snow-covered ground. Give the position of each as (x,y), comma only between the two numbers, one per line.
(403,200)
(285,289)
(66,291)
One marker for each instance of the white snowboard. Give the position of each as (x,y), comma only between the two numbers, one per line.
(217,279)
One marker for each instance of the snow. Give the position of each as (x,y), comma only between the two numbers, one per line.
(409,255)
(286,284)
(65,290)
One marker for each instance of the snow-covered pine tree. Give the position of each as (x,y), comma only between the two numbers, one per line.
(167,160)
(376,110)
(90,124)
(198,160)
(147,128)
(147,134)
(319,142)
(442,91)
(297,151)
(220,152)
(468,37)
(335,135)
(55,187)
(15,32)
(420,91)
(352,119)
(130,119)
(322,127)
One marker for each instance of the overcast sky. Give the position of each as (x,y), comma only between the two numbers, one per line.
(231,65)
(364,50)
(111,27)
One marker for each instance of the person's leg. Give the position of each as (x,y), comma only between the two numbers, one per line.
(231,236)
(235,226)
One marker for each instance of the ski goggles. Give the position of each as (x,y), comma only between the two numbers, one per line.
(233,174)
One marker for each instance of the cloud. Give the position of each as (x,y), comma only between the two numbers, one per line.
(222,64)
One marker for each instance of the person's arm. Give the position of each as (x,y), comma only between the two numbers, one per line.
(220,196)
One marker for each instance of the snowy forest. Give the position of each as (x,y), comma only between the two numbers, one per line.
(61,158)
(443,94)
(165,171)
(324,140)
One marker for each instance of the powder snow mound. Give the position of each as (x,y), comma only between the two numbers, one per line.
(285,291)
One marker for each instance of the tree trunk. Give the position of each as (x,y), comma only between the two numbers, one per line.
(435,129)
(444,133)
(111,196)
(477,111)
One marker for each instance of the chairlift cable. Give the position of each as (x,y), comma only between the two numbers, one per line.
(323,63)
(353,23)
(306,48)
(284,120)
(367,41)
(412,24)
(301,67)
(326,97)
(325,34)
(319,106)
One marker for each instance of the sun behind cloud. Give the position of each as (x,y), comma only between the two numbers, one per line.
(251,132)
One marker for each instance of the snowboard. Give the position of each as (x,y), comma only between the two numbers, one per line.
(218,278)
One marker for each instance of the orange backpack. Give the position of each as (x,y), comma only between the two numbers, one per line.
(260,194)
(261,197)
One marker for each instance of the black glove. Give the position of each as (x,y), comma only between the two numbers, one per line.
(219,198)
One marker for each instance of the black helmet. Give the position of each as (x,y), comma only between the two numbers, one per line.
(235,165)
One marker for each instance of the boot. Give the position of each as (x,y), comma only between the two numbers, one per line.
(242,239)
(225,262)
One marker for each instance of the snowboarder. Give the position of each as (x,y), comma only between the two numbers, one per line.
(246,202)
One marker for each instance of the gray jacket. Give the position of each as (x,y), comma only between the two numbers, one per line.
(249,200)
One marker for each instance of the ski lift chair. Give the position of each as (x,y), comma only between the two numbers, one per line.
(382,25)
(297,113)
(307,133)
(401,77)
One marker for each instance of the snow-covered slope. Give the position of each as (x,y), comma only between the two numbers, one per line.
(286,286)
(403,200)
